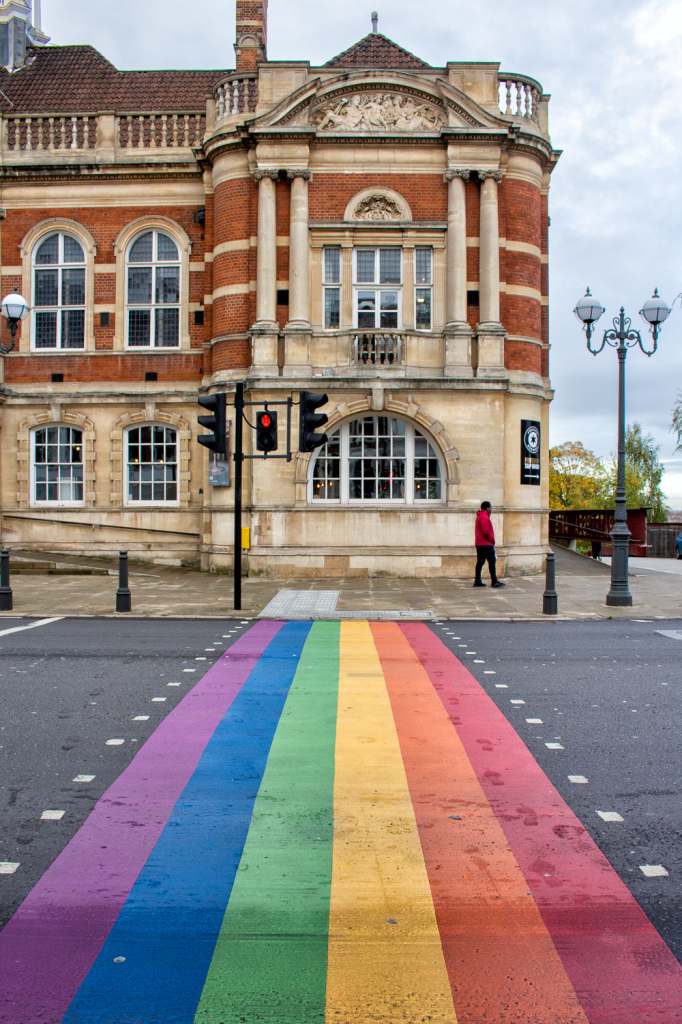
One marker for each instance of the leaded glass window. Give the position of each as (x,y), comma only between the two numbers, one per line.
(423,298)
(153,291)
(59,293)
(152,464)
(332,295)
(376,459)
(57,464)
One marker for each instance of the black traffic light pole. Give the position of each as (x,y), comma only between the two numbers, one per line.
(266,441)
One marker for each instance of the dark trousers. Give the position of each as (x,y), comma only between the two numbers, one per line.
(486,553)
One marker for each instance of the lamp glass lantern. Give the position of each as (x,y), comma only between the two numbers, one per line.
(14,307)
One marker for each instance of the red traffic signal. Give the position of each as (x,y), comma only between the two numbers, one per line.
(266,431)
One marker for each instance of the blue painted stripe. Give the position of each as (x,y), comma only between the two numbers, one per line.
(169,925)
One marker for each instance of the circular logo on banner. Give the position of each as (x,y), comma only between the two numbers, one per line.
(531,439)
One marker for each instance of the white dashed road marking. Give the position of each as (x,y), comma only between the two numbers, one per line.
(653,870)
(141,718)
(554,746)
(610,816)
(83,778)
(517,702)
(52,815)
(31,625)
(159,700)
(535,721)
(8,867)
(578,778)
(114,743)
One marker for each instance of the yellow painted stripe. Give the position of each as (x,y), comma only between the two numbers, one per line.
(385,955)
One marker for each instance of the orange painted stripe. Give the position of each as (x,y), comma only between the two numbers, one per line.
(501,961)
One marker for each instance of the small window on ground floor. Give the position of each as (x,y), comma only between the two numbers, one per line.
(58,465)
(152,465)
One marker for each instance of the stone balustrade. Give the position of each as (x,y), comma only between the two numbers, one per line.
(520,96)
(82,132)
(236,95)
(377,348)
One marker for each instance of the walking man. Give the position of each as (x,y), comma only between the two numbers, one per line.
(485,546)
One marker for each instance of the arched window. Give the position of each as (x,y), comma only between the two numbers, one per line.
(152,465)
(376,459)
(57,457)
(59,292)
(153,291)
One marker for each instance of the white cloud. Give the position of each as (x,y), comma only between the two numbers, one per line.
(614,72)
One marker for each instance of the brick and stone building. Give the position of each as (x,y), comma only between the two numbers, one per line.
(375,228)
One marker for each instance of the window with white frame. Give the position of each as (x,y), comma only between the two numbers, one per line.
(153,291)
(377,289)
(332,287)
(57,465)
(423,291)
(59,292)
(152,461)
(376,459)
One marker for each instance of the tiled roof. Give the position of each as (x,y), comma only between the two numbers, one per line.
(65,79)
(376,51)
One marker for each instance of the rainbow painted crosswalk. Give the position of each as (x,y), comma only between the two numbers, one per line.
(335,824)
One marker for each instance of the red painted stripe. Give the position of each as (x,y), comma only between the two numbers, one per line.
(497,950)
(619,965)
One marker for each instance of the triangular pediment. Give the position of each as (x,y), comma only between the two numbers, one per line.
(377,103)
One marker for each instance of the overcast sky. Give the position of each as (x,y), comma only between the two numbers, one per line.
(613,68)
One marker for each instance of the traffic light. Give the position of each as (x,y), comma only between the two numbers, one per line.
(266,431)
(309,421)
(217,441)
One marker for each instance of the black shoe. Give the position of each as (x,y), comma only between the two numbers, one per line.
(478,583)
(498,583)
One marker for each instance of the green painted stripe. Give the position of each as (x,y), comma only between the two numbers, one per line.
(270,961)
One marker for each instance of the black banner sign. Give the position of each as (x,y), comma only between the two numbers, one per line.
(530,452)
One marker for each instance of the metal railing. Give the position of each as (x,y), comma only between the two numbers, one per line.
(384,348)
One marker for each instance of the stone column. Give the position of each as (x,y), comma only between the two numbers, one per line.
(297,333)
(457,331)
(265,331)
(490,332)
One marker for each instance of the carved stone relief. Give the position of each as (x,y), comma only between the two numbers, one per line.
(378,208)
(377,112)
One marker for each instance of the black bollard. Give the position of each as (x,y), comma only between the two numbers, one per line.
(550,600)
(123,600)
(6,604)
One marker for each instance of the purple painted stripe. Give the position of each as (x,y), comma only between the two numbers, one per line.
(50,944)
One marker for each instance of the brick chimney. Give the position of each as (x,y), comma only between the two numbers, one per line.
(250,47)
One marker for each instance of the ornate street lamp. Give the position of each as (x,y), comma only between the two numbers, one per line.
(621,337)
(14,308)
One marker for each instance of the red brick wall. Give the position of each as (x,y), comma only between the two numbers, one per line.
(104,224)
(235,219)
(427,194)
(521,221)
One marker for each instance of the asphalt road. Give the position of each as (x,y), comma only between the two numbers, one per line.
(66,688)
(610,694)
(607,693)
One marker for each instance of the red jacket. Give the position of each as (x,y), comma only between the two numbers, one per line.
(484,529)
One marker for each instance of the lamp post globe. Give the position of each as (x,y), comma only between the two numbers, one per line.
(588,311)
(15,309)
(655,312)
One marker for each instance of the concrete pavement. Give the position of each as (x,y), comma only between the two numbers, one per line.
(165,591)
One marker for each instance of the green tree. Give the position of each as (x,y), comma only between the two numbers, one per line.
(577,478)
(643,474)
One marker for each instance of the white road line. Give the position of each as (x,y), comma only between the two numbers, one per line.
(535,721)
(610,816)
(189,670)
(159,700)
(52,815)
(554,746)
(501,686)
(8,867)
(211,650)
(173,684)
(114,743)
(648,870)
(32,625)
(470,652)
(479,661)
(517,702)
(674,634)
(578,778)
(141,718)
(489,672)
(200,659)
(83,778)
